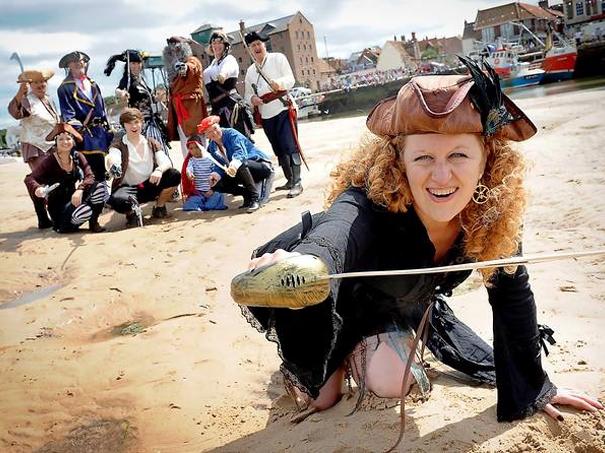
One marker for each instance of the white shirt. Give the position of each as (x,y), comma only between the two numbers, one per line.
(227,67)
(85,85)
(276,67)
(140,166)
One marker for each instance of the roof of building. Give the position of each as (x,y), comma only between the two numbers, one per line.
(399,46)
(451,45)
(515,11)
(324,67)
(268,28)
(203,28)
(470,32)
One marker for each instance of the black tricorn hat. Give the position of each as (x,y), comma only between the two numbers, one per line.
(73,56)
(129,55)
(254,36)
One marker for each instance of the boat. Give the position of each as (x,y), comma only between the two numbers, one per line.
(559,63)
(556,55)
(307,102)
(514,73)
(522,75)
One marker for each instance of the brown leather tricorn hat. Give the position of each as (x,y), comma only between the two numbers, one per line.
(35,75)
(64,127)
(441,104)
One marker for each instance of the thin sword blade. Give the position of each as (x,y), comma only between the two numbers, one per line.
(513,261)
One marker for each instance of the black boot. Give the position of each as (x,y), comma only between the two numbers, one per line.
(251,193)
(297,187)
(93,223)
(286,166)
(43,220)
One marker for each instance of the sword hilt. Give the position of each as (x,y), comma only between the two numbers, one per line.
(294,282)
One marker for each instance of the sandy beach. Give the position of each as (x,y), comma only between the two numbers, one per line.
(128,341)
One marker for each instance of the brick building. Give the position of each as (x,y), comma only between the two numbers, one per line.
(495,22)
(292,35)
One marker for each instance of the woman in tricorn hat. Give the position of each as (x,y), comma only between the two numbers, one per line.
(220,78)
(439,184)
(66,180)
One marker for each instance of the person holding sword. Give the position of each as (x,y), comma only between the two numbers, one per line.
(64,178)
(266,84)
(38,116)
(142,171)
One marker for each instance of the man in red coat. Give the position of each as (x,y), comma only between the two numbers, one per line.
(187,106)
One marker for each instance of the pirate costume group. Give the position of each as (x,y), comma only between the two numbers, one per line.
(382,214)
(82,107)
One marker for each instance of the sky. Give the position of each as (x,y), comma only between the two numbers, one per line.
(42,31)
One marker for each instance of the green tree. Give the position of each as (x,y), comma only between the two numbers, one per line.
(430,53)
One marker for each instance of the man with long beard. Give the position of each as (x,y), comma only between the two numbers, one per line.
(187,106)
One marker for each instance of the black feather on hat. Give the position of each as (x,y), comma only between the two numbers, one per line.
(487,96)
(128,55)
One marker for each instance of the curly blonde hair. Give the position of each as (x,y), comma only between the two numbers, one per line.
(492,230)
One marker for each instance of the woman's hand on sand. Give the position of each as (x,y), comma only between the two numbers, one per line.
(571,398)
(76,197)
(270,258)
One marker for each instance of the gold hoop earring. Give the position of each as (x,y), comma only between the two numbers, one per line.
(481,194)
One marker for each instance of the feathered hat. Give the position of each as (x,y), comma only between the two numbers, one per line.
(452,104)
(128,55)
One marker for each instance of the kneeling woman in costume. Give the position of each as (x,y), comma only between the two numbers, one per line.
(66,180)
(440,184)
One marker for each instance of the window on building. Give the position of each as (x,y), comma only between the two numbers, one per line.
(312,61)
(580,9)
(240,59)
(296,34)
(242,72)
(588,7)
(307,60)
(300,60)
(313,71)
(308,35)
(603,7)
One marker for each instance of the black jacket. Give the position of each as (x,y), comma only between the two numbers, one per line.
(357,235)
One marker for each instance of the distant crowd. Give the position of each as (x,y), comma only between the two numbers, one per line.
(81,163)
(366,78)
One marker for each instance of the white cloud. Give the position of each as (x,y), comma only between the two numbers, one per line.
(35,44)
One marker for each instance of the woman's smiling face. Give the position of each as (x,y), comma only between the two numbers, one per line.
(443,171)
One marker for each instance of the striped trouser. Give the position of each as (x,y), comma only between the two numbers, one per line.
(153,131)
(96,200)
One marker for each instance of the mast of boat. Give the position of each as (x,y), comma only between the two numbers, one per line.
(531,33)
